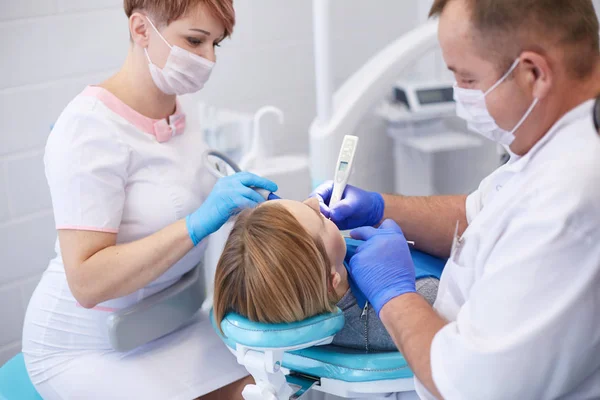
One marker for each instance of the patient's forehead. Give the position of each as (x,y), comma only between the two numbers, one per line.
(307,217)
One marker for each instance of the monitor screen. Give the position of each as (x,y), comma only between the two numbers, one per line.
(432,96)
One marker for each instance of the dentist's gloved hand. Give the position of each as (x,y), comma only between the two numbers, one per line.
(357,207)
(382,267)
(229,196)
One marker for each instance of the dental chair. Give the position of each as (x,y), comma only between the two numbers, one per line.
(288,360)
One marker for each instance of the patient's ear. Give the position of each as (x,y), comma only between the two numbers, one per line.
(336,279)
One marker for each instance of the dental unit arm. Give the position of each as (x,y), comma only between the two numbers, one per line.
(355,99)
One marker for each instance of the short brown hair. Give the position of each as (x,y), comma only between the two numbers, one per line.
(272,270)
(167,11)
(513,26)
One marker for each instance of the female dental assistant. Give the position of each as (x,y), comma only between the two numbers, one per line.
(132,205)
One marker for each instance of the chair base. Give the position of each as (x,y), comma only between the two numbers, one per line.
(403,388)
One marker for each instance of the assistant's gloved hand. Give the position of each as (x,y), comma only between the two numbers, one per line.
(382,267)
(357,207)
(229,196)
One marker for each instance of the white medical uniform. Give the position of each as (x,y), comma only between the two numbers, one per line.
(522,287)
(111,169)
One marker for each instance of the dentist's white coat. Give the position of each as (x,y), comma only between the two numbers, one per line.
(522,288)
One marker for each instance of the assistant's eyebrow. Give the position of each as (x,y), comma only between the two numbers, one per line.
(201,31)
(318,213)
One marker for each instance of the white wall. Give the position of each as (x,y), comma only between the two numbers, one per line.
(270,59)
(50,49)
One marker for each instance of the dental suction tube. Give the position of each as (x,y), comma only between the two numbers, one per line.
(212,161)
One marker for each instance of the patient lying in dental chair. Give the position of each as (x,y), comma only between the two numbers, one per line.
(284,262)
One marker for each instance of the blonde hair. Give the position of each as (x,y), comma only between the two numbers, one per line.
(167,11)
(272,270)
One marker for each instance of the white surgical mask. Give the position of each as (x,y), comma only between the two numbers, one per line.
(471,106)
(184,72)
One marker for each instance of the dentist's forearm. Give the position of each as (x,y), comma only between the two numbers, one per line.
(115,270)
(412,324)
(428,221)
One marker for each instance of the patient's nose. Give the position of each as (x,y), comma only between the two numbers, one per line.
(312,203)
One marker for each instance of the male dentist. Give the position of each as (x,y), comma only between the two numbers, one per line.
(518,309)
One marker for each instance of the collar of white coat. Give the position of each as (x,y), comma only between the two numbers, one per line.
(584,110)
(162,129)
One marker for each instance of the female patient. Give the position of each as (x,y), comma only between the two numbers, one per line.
(284,262)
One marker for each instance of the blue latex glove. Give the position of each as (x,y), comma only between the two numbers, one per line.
(382,267)
(229,196)
(357,207)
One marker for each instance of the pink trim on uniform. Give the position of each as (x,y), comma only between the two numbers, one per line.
(99,308)
(162,129)
(87,228)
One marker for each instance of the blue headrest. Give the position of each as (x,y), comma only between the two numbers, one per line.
(238,329)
